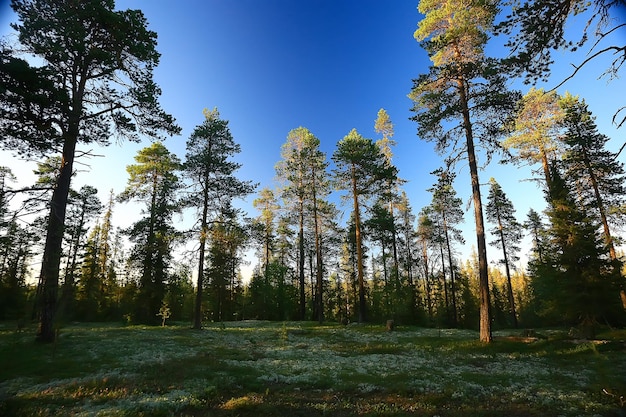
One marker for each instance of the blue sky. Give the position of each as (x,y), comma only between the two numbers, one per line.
(329,65)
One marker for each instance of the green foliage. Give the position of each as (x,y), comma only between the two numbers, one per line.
(227,238)
(211,171)
(303,175)
(592,169)
(464,96)
(153,180)
(576,284)
(500,211)
(446,214)
(362,170)
(271,295)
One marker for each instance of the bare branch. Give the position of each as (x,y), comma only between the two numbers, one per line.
(586,61)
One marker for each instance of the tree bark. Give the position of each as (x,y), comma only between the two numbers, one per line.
(49,278)
(301,265)
(359,249)
(483,280)
(318,254)
(451,264)
(197,316)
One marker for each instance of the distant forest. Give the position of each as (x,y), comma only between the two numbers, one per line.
(92,81)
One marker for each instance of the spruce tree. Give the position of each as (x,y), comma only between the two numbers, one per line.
(576,284)
(595,172)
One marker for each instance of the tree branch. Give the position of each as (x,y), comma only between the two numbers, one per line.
(586,61)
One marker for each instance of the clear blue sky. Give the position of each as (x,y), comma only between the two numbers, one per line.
(328,65)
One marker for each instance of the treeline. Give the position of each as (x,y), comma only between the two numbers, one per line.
(386,262)
(93,82)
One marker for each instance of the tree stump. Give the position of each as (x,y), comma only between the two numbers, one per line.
(390,325)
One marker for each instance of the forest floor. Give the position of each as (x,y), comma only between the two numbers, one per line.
(255,368)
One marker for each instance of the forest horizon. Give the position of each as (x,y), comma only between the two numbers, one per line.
(181,254)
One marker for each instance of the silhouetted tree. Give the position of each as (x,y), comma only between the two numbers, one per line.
(153,180)
(92,81)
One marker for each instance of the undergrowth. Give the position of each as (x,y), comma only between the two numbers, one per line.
(262,369)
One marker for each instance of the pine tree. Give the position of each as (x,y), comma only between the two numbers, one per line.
(446,208)
(536,130)
(501,212)
(537,28)
(303,174)
(383,126)
(84,205)
(361,169)
(153,180)
(213,183)
(462,97)
(425,240)
(93,82)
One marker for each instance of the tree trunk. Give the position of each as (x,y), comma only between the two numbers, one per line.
(319,265)
(359,250)
(197,314)
(51,262)
(301,265)
(429,303)
(483,280)
(508,275)
(608,239)
(545,164)
(451,264)
(445,284)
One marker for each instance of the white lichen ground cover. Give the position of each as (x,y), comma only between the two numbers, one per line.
(105,370)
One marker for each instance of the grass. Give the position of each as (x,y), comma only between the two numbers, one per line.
(304,369)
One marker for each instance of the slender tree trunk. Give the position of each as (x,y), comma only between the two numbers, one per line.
(508,275)
(608,239)
(445,284)
(69,285)
(148,279)
(409,255)
(429,302)
(51,262)
(385,275)
(394,247)
(301,263)
(359,249)
(451,264)
(545,164)
(483,280)
(319,265)
(318,250)
(197,314)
